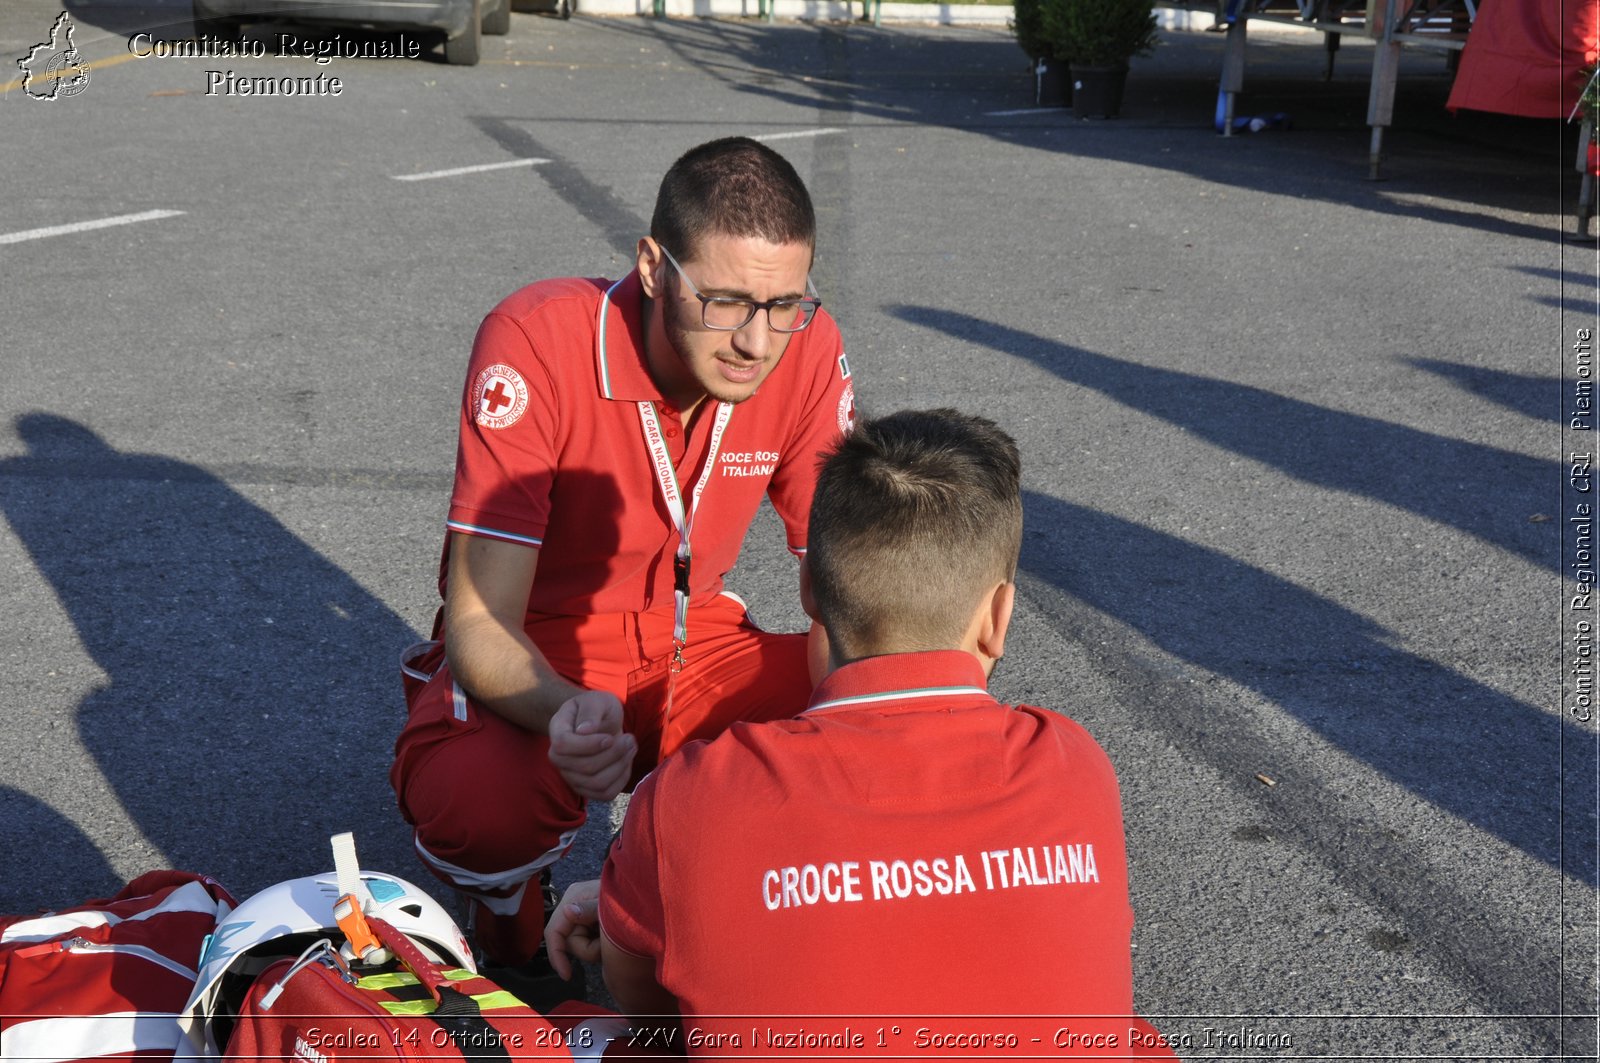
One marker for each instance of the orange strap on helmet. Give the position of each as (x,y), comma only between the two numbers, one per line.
(353,924)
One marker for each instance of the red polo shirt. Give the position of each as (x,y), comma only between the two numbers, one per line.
(908,850)
(553,453)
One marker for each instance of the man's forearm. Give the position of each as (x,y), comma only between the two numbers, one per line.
(505,672)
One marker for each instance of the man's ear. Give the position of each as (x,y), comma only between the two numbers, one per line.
(996,621)
(808,601)
(650,262)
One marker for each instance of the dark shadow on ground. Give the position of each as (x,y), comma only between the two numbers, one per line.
(49,862)
(1483,491)
(599,204)
(1576,285)
(1461,163)
(253,694)
(1443,167)
(1532,396)
(1486,758)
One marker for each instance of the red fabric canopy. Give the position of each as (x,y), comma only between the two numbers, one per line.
(1526,57)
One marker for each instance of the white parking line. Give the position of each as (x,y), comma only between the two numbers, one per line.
(85,226)
(459,170)
(791,136)
(1023,110)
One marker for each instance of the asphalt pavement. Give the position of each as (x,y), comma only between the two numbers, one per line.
(1303,518)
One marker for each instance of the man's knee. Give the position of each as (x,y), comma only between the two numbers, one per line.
(486,838)
(482,794)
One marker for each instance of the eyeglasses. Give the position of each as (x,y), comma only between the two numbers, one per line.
(723,314)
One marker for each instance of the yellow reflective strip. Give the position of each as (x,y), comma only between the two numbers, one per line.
(498,999)
(486,1002)
(408,1007)
(386,980)
(391,979)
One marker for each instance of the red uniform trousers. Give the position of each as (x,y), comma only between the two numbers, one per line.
(489,810)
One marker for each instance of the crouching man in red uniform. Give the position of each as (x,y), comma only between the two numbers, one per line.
(616,441)
(910,867)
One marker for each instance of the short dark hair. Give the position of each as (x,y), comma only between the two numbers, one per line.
(916,515)
(733,187)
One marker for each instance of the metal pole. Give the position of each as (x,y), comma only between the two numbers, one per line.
(1385,72)
(1586,188)
(1232,62)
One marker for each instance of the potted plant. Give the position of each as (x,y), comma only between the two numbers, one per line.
(1051,79)
(1098,37)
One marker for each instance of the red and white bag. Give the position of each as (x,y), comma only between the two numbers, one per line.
(320,1007)
(108,978)
(355,964)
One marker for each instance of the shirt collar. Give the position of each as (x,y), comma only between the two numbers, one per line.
(923,677)
(619,344)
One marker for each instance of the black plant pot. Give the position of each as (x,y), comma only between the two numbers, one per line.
(1097,90)
(1052,83)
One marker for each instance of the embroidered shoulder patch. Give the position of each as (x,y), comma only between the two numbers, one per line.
(499,396)
(847,408)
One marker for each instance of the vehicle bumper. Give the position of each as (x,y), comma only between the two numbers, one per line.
(450,17)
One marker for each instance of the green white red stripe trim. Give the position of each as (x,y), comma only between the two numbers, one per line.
(900,695)
(600,342)
(492,533)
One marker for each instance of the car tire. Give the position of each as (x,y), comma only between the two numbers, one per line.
(216,27)
(497,20)
(463,50)
(565,8)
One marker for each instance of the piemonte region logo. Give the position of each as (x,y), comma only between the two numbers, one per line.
(55,68)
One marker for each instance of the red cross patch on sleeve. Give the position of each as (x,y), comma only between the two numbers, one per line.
(847,409)
(499,397)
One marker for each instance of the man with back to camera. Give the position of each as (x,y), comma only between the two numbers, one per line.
(910,867)
(616,441)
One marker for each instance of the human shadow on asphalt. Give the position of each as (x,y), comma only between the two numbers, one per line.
(1575,287)
(1533,396)
(1327,666)
(62,866)
(253,694)
(1578,275)
(1481,490)
(1486,758)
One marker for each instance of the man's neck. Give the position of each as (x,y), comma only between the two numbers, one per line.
(686,412)
(660,360)
(837,661)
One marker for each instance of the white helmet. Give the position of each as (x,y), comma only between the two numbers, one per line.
(281,921)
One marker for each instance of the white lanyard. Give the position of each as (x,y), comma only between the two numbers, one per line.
(682,520)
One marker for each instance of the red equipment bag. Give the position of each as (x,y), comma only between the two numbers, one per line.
(106,979)
(322,1008)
